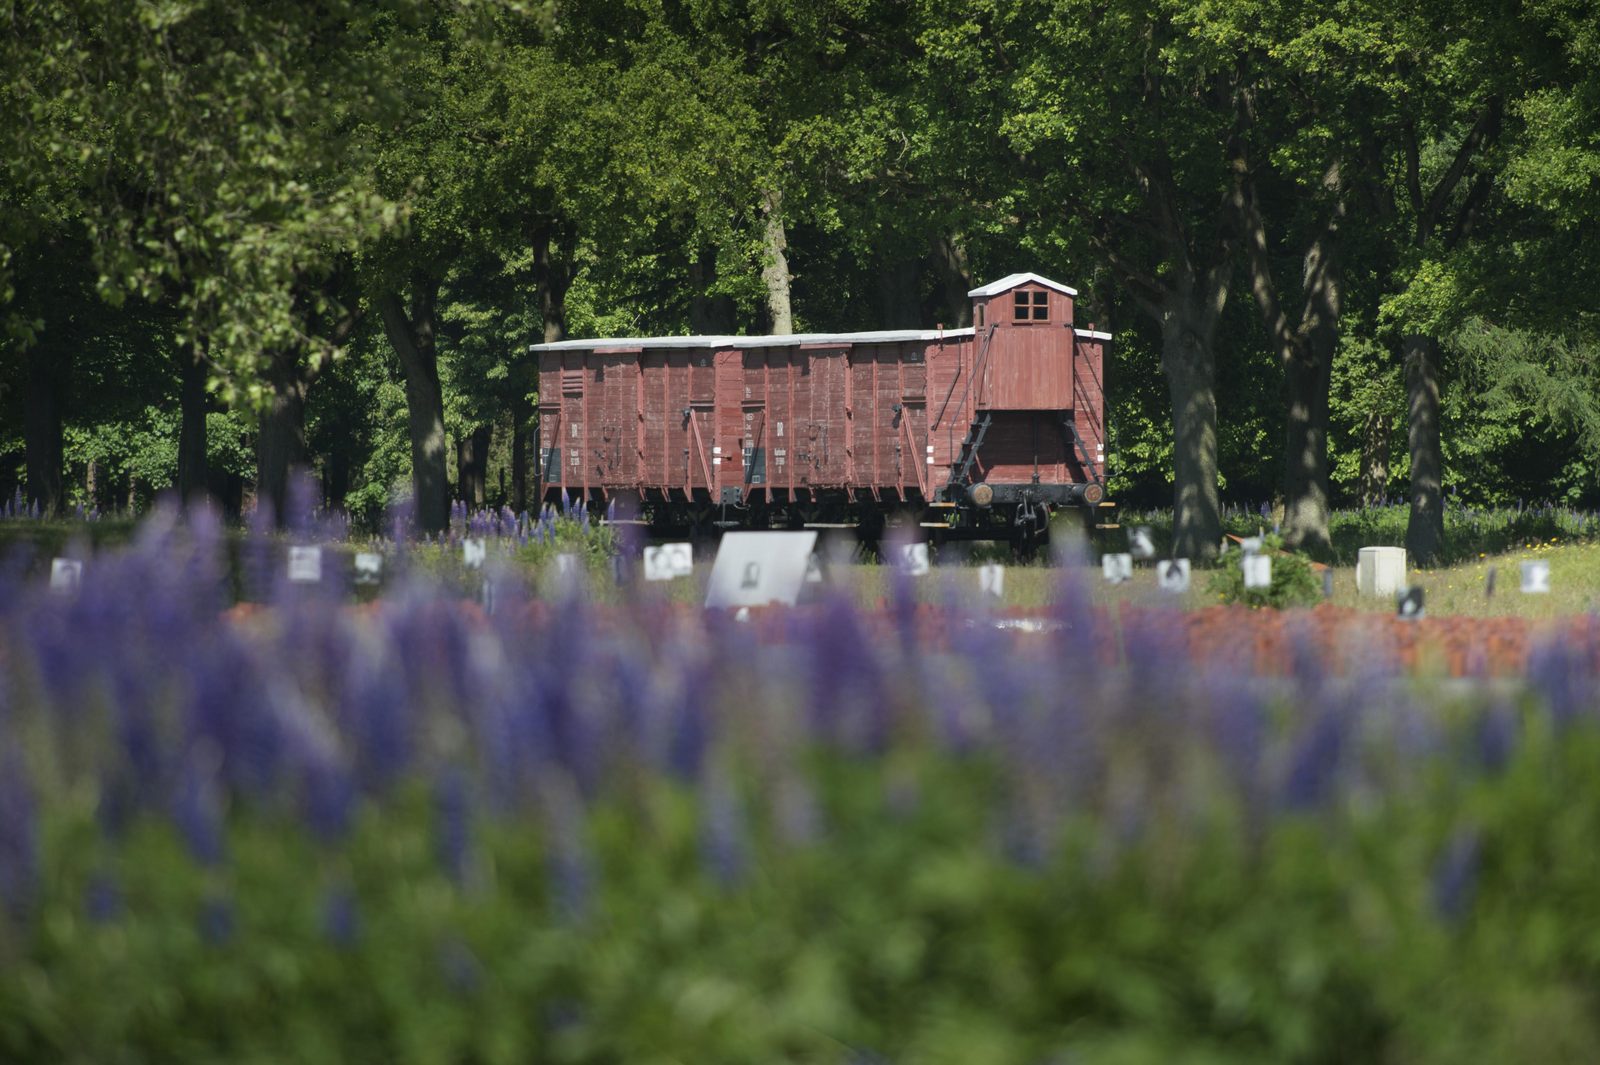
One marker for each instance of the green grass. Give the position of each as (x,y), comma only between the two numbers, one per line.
(1477,540)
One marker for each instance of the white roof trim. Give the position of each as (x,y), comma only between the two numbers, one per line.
(1010,281)
(888,336)
(1091,333)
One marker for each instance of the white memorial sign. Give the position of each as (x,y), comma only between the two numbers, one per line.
(1173,575)
(305,564)
(1141,545)
(1536,577)
(1116,568)
(473,552)
(369,567)
(668,561)
(758,568)
(992,580)
(914,559)
(1257,571)
(66,574)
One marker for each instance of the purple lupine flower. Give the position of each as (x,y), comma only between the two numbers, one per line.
(19,834)
(1495,736)
(1558,677)
(102,898)
(452,805)
(197,805)
(797,813)
(1455,875)
(341,917)
(216,920)
(329,799)
(1315,759)
(1238,726)
(571,870)
(723,847)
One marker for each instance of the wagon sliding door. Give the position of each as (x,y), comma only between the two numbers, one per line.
(699,425)
(821,440)
(561,410)
(614,408)
(913,456)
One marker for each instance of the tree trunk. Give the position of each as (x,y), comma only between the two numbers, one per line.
(1425,530)
(553,274)
(1188,361)
(521,417)
(775,266)
(412,337)
(281,434)
(710,314)
(1374,486)
(473,463)
(1305,349)
(950,266)
(193,471)
(49,373)
(899,300)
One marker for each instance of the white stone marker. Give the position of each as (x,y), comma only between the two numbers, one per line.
(66,574)
(668,561)
(1380,570)
(914,559)
(1116,568)
(1257,571)
(1172,575)
(1536,577)
(473,552)
(813,569)
(992,580)
(758,568)
(305,564)
(369,567)
(1140,545)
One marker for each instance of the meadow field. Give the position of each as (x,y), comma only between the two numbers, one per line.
(249,819)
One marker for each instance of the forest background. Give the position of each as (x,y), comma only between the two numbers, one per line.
(1347,250)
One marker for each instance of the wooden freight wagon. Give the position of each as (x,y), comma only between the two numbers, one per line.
(981,430)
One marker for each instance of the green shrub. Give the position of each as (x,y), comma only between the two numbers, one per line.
(1294,583)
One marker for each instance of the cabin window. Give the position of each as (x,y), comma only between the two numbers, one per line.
(980,316)
(1034,306)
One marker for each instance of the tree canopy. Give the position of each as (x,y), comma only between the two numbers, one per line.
(1344,250)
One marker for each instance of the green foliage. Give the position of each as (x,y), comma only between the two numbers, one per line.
(1219,933)
(1294,582)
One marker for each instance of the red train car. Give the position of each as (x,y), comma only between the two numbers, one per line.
(982,430)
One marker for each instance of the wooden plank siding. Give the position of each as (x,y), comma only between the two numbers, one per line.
(877,418)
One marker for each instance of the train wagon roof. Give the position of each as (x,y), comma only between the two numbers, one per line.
(994,288)
(785,340)
(887,336)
